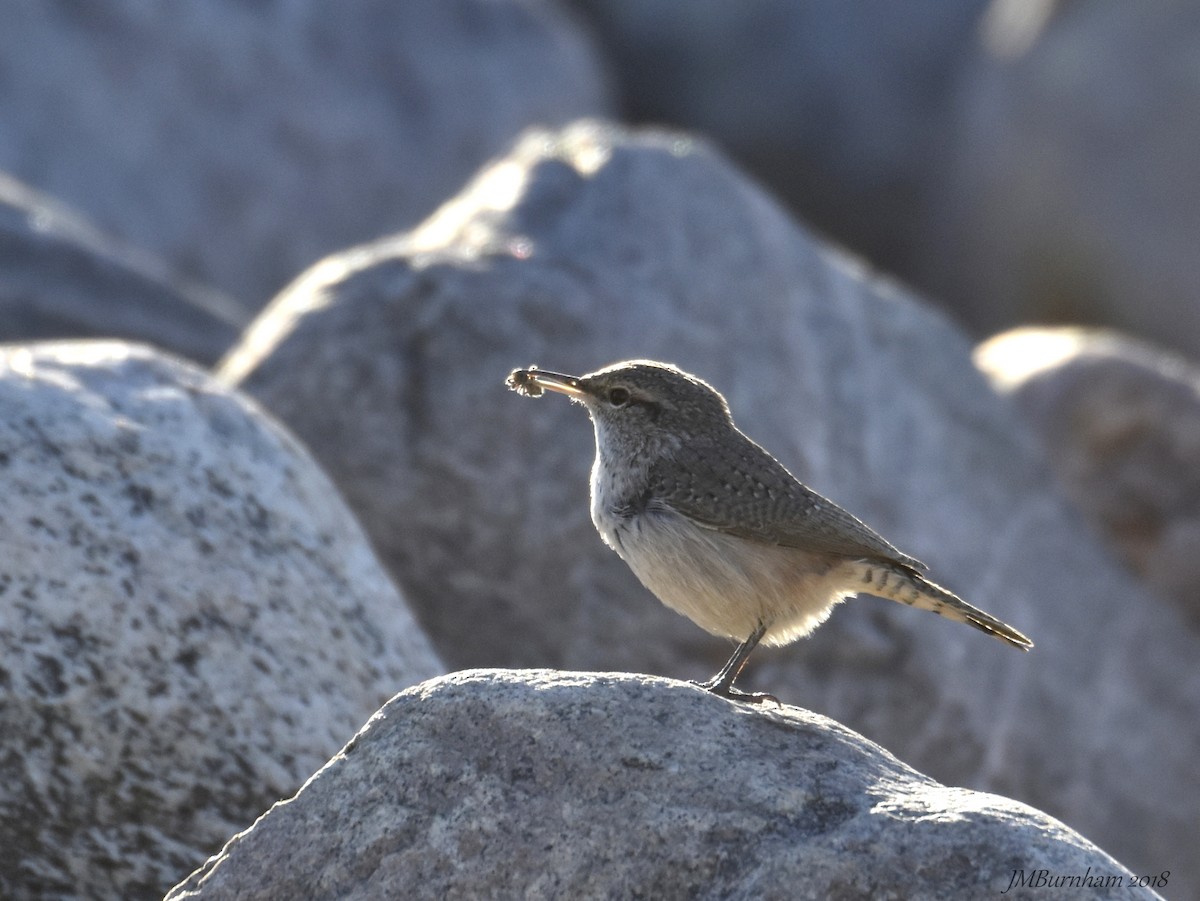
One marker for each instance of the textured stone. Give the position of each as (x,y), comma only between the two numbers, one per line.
(242,141)
(592,245)
(855,147)
(64,279)
(571,785)
(191,621)
(1070,194)
(1121,423)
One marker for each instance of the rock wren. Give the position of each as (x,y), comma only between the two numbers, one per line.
(717,528)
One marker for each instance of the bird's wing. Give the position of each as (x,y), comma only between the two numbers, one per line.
(741,490)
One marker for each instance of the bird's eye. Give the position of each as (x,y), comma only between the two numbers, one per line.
(618,397)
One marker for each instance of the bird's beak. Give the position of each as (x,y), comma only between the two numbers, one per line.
(533,381)
(556,381)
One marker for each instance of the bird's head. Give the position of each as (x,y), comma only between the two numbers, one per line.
(638,406)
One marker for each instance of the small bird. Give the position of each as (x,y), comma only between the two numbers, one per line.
(718,529)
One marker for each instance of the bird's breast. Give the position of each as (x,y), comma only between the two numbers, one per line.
(725,584)
(617,502)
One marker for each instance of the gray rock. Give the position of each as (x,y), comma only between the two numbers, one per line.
(242,141)
(592,245)
(1121,423)
(191,621)
(571,785)
(64,279)
(1071,194)
(856,147)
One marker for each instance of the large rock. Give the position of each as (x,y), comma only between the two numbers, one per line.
(1121,423)
(191,621)
(856,148)
(1070,194)
(64,279)
(570,785)
(591,245)
(242,141)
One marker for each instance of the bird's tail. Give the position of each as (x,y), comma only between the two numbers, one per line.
(909,587)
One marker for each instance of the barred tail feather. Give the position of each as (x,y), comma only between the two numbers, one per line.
(909,587)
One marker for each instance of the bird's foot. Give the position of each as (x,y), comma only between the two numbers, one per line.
(721,690)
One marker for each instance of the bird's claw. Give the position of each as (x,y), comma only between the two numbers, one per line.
(733,694)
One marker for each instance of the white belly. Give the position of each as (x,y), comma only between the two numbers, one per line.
(724,584)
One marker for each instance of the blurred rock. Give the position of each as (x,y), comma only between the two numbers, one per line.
(841,108)
(594,244)
(541,785)
(191,621)
(61,278)
(241,142)
(1072,194)
(1121,422)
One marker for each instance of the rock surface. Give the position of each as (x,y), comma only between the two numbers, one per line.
(592,245)
(1070,194)
(1121,423)
(242,141)
(191,621)
(856,149)
(63,279)
(571,785)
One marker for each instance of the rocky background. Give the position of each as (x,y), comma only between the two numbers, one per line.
(939,257)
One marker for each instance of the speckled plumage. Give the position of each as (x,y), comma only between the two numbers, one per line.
(737,487)
(717,528)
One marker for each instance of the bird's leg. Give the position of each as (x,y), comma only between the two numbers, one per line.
(722,683)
